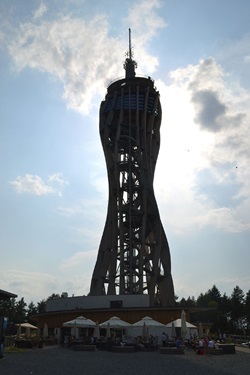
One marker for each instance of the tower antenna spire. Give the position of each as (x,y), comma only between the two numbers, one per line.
(130,48)
(130,65)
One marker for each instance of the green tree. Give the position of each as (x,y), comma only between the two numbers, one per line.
(191,302)
(41,306)
(247,311)
(203,300)
(221,314)
(237,307)
(8,308)
(53,296)
(183,302)
(20,311)
(214,294)
(221,322)
(32,310)
(208,308)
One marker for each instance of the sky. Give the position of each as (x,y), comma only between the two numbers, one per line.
(56,60)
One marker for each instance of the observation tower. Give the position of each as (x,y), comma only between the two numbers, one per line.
(134,256)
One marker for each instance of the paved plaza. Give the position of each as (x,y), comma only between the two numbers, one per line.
(64,361)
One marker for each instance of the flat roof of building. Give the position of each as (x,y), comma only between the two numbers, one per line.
(6,295)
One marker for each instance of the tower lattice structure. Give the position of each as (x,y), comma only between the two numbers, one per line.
(133,256)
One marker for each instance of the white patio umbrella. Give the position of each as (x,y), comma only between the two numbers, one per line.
(80,322)
(200,331)
(96,333)
(173,330)
(27,325)
(183,324)
(19,331)
(149,325)
(149,322)
(74,331)
(27,333)
(45,331)
(115,322)
(176,324)
(108,333)
(144,330)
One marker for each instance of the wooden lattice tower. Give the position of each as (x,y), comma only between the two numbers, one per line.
(134,255)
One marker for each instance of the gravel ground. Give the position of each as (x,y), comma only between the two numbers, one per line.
(62,361)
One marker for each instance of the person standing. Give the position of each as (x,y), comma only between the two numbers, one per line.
(163,339)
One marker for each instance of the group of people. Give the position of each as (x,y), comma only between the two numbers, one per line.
(201,345)
(166,342)
(204,344)
(140,343)
(222,337)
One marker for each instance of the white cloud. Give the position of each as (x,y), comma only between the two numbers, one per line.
(80,265)
(197,156)
(82,208)
(74,51)
(185,286)
(145,23)
(77,51)
(57,178)
(86,220)
(40,11)
(144,20)
(34,184)
(44,284)
(82,258)
(19,282)
(31,184)
(205,134)
(70,211)
(88,235)
(225,219)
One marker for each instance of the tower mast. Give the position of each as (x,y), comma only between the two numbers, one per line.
(130,48)
(130,65)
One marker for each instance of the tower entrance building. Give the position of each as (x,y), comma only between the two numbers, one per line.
(133,256)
